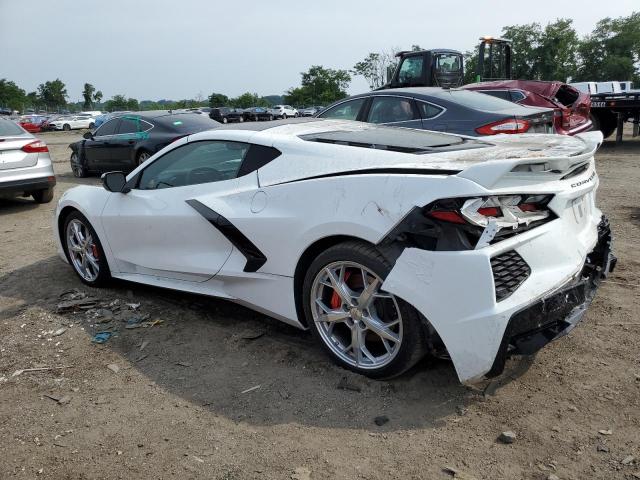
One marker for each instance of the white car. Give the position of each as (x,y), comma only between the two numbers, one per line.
(386,243)
(283,111)
(74,122)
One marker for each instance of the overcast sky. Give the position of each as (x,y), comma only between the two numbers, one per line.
(153,49)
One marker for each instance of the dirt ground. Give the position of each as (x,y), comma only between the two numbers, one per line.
(180,401)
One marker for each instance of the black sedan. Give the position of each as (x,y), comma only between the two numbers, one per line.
(257,113)
(125,142)
(445,110)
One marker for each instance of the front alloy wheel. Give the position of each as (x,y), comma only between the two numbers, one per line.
(361,326)
(84,250)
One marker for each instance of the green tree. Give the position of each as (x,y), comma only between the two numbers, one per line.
(247,100)
(218,100)
(525,41)
(120,102)
(377,68)
(53,94)
(11,96)
(320,86)
(97,97)
(557,53)
(612,51)
(87,94)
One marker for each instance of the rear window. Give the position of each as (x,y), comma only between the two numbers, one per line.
(477,100)
(7,128)
(188,122)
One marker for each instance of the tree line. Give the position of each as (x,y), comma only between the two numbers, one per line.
(553,52)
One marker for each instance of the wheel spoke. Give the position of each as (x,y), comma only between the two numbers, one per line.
(337,283)
(368,294)
(93,262)
(380,329)
(357,342)
(330,315)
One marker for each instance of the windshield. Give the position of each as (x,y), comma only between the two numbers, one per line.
(448,62)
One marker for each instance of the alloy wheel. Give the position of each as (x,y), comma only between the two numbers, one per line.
(360,323)
(83,251)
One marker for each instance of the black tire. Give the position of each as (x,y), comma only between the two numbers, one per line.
(79,171)
(606,122)
(142,157)
(66,127)
(224,120)
(270,117)
(413,345)
(240,119)
(43,196)
(104,274)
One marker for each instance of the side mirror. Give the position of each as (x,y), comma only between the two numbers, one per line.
(114,182)
(88,135)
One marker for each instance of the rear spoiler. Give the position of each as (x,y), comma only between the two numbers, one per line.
(533,169)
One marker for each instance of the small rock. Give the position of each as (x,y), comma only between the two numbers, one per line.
(64,400)
(144,344)
(455,473)
(628,460)
(183,364)
(381,420)
(602,448)
(345,384)
(507,437)
(552,476)
(301,473)
(555,429)
(462,411)
(59,332)
(572,408)
(113,367)
(605,432)
(252,334)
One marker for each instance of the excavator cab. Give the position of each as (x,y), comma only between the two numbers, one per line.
(428,68)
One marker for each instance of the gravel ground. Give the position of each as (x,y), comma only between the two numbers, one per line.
(207,389)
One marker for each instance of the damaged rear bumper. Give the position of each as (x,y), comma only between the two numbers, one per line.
(459,294)
(557,314)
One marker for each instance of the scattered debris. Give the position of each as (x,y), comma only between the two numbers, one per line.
(251,389)
(605,432)
(602,448)
(133,306)
(144,344)
(141,357)
(553,476)
(381,420)
(253,334)
(101,337)
(40,369)
(301,473)
(455,473)
(346,384)
(113,367)
(628,460)
(507,437)
(186,364)
(59,332)
(134,322)
(75,305)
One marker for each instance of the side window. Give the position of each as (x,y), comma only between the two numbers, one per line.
(344,111)
(428,110)
(194,163)
(411,70)
(391,109)
(128,125)
(107,128)
(144,126)
(517,95)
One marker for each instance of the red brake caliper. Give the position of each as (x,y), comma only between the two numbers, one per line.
(336,301)
(94,250)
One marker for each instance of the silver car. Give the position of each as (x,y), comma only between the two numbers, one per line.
(25,164)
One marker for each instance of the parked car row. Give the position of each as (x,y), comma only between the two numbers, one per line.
(229,114)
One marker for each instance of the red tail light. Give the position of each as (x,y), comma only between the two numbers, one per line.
(504,126)
(447,216)
(37,146)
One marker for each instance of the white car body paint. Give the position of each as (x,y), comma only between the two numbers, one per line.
(302,196)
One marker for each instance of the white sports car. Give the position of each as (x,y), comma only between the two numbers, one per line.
(386,243)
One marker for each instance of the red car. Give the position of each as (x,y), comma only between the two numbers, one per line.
(572,106)
(31,123)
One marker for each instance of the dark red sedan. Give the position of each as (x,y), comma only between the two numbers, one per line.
(570,105)
(31,123)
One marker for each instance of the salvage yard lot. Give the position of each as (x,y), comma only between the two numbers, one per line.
(207,389)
